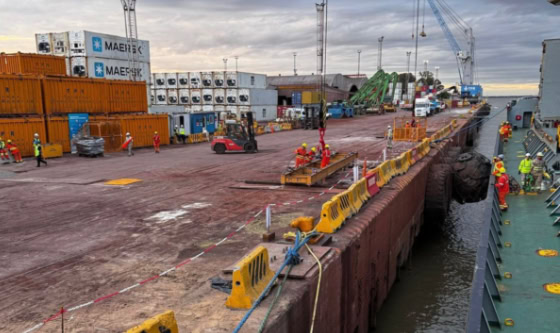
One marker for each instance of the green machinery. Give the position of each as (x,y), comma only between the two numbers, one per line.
(373,93)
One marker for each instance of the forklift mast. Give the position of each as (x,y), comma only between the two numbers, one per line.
(250,126)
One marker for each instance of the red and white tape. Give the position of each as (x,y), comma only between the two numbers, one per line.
(155,277)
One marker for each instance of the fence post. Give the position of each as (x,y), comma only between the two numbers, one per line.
(268,218)
(356,174)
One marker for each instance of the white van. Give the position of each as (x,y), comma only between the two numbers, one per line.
(422,107)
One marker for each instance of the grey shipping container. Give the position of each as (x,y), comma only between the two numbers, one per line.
(94,44)
(549,98)
(263,97)
(264,112)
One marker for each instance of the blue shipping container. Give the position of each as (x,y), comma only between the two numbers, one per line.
(296,98)
(200,120)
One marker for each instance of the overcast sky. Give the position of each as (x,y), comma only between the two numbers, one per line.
(196,35)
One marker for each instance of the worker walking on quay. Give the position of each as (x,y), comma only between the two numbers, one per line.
(176,133)
(301,154)
(38,151)
(389,137)
(4,152)
(524,170)
(503,188)
(14,151)
(537,170)
(183,134)
(326,157)
(128,143)
(157,141)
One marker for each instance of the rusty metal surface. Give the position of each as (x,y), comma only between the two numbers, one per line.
(312,173)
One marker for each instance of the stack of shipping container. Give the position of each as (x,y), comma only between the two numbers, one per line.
(220,92)
(37,96)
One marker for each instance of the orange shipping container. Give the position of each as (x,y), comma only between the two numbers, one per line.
(58,132)
(141,127)
(75,95)
(128,96)
(20,95)
(30,63)
(21,131)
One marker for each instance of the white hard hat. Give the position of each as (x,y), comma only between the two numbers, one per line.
(539,154)
(501,156)
(388,126)
(127,134)
(36,134)
(528,155)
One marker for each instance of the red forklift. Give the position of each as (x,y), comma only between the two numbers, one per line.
(238,138)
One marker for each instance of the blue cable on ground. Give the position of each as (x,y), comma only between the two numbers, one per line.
(292,258)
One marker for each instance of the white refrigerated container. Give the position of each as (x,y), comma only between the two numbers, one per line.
(196,108)
(60,44)
(206,79)
(233,110)
(171,80)
(160,97)
(196,97)
(94,44)
(243,97)
(100,68)
(231,79)
(219,79)
(195,79)
(184,96)
(158,80)
(172,96)
(208,96)
(208,108)
(183,81)
(219,96)
(43,43)
(231,96)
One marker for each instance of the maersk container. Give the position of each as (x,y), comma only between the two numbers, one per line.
(259,96)
(196,96)
(184,96)
(231,79)
(219,79)
(159,80)
(93,44)
(243,97)
(264,112)
(30,63)
(251,80)
(20,95)
(161,97)
(43,43)
(172,96)
(183,81)
(196,108)
(231,96)
(219,96)
(206,79)
(100,68)
(208,108)
(195,80)
(171,80)
(208,96)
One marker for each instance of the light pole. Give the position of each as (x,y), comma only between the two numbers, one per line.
(236,57)
(437,73)
(380,52)
(359,52)
(295,68)
(407,72)
(225,64)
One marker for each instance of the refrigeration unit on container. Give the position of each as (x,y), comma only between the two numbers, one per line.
(231,79)
(184,96)
(196,108)
(31,63)
(208,108)
(259,96)
(20,95)
(206,79)
(93,44)
(172,96)
(196,96)
(219,96)
(183,81)
(195,80)
(99,68)
(264,112)
(208,96)
(219,79)
(60,44)
(231,96)
(251,80)
(243,97)
(159,80)
(161,97)
(43,43)
(171,80)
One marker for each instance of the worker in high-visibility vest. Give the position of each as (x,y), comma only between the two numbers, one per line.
(157,141)
(502,184)
(4,152)
(537,170)
(326,157)
(503,132)
(14,151)
(39,154)
(524,170)
(183,134)
(301,154)
(498,164)
(509,129)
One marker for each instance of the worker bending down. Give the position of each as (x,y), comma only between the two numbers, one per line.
(14,151)
(326,157)
(503,188)
(301,154)
(524,170)
(311,155)
(537,170)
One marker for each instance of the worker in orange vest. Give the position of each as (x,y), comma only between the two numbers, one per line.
(498,164)
(326,157)
(407,125)
(14,151)
(503,132)
(156,142)
(503,188)
(301,154)
(509,129)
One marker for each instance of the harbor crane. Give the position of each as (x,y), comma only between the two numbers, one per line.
(465,57)
(131,30)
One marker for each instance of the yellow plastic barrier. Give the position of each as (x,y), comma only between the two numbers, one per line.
(362,189)
(164,322)
(405,164)
(346,207)
(386,171)
(411,155)
(196,138)
(250,277)
(380,180)
(331,217)
(286,126)
(355,199)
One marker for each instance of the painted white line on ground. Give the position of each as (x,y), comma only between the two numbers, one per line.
(80,306)
(129,288)
(167,271)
